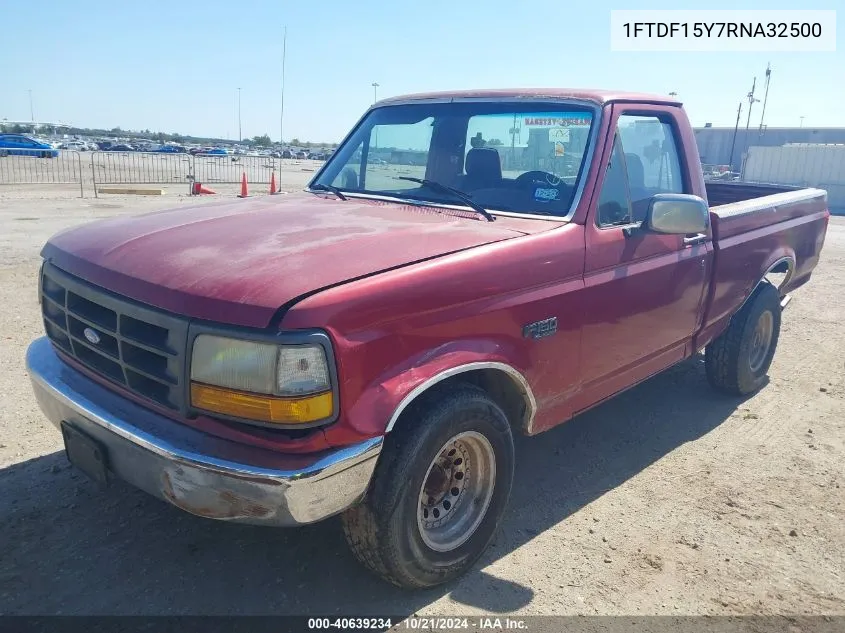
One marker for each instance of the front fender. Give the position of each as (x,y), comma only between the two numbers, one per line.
(383,399)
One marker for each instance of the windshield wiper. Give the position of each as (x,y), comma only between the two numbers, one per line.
(330,189)
(456,193)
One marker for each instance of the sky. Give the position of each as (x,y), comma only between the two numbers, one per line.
(177,66)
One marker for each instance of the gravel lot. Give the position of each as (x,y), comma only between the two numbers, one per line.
(668,500)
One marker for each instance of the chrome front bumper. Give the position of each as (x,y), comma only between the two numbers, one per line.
(199,473)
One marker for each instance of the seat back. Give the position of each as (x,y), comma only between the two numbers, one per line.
(483,168)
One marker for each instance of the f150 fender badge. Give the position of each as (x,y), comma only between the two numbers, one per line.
(91,335)
(540,329)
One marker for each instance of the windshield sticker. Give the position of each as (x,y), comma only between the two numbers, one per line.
(545,194)
(559,135)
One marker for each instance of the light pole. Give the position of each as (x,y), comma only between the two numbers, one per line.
(31,111)
(736,129)
(375,92)
(240,135)
(802,122)
(282,113)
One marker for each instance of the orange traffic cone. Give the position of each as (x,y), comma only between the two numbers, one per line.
(244,193)
(273,183)
(200,189)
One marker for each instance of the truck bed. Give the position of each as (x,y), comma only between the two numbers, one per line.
(721,193)
(764,229)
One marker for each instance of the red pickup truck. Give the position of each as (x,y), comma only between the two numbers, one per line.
(465,267)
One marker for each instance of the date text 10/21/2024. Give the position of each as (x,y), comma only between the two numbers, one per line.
(420,624)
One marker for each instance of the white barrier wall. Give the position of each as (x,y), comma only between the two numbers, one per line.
(803,165)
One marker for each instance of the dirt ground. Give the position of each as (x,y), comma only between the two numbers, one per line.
(669,499)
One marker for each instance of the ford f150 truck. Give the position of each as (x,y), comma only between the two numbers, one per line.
(466,266)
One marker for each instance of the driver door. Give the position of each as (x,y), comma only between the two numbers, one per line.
(643,291)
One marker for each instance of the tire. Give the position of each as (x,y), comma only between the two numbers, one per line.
(735,362)
(389,532)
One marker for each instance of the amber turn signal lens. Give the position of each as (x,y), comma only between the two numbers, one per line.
(262,408)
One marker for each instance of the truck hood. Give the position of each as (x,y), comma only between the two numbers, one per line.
(238,262)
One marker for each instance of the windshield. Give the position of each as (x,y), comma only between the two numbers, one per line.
(519,158)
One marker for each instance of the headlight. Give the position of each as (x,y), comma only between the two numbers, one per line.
(285,384)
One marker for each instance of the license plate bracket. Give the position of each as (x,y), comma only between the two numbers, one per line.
(85,453)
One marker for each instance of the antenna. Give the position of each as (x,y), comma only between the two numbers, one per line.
(751,102)
(765,97)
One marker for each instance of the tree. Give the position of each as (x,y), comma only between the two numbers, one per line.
(262,141)
(295,142)
(494,141)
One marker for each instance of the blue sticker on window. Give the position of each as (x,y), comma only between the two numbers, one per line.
(545,194)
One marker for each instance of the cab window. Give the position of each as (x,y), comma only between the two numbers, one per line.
(651,159)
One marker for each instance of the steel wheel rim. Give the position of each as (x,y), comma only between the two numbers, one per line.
(456,491)
(761,340)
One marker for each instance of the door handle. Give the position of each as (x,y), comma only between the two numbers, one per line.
(695,239)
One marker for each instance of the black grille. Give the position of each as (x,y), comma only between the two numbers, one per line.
(133,345)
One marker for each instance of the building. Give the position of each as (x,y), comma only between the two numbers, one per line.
(801,165)
(714,143)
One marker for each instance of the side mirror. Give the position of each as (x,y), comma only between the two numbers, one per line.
(677,214)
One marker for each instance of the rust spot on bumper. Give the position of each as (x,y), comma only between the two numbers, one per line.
(212,504)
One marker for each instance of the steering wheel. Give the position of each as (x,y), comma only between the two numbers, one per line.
(546,178)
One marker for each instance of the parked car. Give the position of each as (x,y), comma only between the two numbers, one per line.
(302,155)
(287,153)
(171,149)
(270,375)
(121,147)
(213,151)
(22,145)
(78,146)
(105,146)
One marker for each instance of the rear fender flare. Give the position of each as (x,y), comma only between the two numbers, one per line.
(788,260)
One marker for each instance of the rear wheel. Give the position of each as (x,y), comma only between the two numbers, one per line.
(439,491)
(739,359)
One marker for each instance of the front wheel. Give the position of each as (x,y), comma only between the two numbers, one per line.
(439,491)
(739,359)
